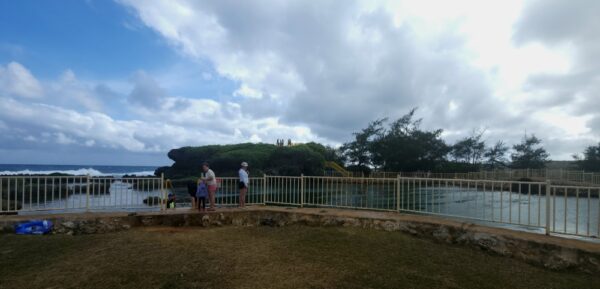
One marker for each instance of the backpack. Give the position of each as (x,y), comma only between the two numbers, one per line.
(202,191)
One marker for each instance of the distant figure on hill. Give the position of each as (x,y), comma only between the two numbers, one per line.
(243,183)
(210,180)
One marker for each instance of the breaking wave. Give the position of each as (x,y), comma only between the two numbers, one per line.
(78,172)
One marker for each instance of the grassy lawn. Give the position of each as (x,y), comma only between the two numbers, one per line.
(262,257)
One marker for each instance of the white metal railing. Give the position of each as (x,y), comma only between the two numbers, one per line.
(554,208)
(228,191)
(574,210)
(562,175)
(355,193)
(79,193)
(508,202)
(283,190)
(569,210)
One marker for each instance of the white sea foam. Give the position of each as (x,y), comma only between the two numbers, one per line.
(78,172)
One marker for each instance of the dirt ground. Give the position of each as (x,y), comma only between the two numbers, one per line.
(263,257)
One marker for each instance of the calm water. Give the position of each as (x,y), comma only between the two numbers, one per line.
(568,214)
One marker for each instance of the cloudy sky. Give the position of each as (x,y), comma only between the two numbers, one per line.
(103,82)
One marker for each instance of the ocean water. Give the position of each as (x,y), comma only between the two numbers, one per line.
(92,170)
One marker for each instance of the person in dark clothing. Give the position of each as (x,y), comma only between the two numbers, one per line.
(171,199)
(201,195)
(192,188)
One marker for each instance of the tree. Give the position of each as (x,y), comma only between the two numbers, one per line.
(495,157)
(328,152)
(469,150)
(401,146)
(529,154)
(295,160)
(590,160)
(358,151)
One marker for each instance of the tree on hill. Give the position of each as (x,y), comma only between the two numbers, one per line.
(590,160)
(401,146)
(470,149)
(495,157)
(295,160)
(328,152)
(359,151)
(529,154)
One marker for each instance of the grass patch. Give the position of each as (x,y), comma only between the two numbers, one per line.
(262,257)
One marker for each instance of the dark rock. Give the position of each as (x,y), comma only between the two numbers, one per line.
(268,222)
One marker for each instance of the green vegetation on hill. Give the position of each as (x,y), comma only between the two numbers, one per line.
(400,145)
(225,160)
(590,160)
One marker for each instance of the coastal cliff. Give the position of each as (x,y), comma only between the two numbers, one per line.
(263,159)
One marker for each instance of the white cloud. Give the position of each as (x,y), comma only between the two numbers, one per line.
(70,92)
(331,67)
(248,92)
(17,80)
(316,71)
(63,139)
(168,123)
(146,92)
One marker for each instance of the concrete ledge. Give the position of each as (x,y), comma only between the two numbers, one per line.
(548,251)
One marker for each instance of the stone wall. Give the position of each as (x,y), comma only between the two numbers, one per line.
(547,251)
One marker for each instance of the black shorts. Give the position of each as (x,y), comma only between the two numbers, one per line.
(242,185)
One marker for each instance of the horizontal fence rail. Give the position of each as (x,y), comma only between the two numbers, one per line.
(560,175)
(573,210)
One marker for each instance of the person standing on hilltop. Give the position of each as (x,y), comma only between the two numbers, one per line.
(210,180)
(243,183)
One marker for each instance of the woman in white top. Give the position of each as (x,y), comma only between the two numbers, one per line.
(243,183)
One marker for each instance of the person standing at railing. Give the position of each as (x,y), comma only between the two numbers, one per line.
(243,183)
(211,181)
(192,187)
(201,194)
(170,196)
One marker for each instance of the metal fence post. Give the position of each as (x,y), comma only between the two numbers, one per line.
(264,190)
(301,190)
(548,192)
(87,193)
(398,184)
(163,202)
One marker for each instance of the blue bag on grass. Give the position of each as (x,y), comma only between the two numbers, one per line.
(34,227)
